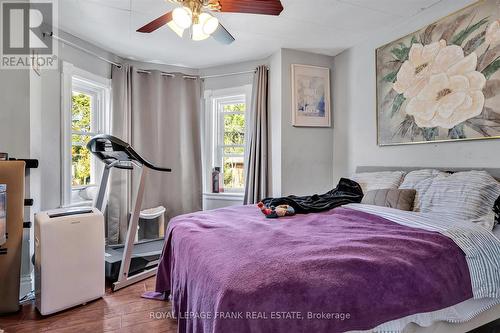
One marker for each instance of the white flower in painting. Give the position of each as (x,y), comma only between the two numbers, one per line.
(493,33)
(453,93)
(415,71)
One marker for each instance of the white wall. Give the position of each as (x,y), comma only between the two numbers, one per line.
(50,161)
(14,113)
(275,106)
(355,110)
(306,152)
(20,136)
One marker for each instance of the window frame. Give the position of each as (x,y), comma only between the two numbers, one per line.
(99,88)
(214,122)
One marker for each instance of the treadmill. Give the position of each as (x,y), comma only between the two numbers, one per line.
(131,262)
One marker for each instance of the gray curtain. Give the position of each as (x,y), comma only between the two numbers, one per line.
(118,202)
(256,159)
(164,127)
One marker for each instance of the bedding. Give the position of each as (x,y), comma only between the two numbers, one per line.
(400,199)
(370,181)
(413,180)
(481,247)
(456,314)
(470,194)
(350,268)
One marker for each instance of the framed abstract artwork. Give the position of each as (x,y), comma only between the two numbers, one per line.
(442,83)
(311,104)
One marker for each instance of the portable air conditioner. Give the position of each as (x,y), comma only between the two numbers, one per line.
(69,258)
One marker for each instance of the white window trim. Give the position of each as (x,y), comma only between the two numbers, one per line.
(70,75)
(211,132)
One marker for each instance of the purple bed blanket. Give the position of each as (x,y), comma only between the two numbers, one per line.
(233,270)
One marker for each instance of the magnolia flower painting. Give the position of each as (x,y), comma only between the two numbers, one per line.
(442,82)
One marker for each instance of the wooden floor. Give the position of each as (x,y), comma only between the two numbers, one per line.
(122,311)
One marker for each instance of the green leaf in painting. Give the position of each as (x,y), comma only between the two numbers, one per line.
(398,53)
(457,132)
(459,38)
(430,133)
(491,68)
(402,51)
(396,105)
(391,77)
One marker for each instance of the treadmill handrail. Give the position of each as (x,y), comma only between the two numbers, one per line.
(93,147)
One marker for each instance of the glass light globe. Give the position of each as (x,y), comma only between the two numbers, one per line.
(210,25)
(183,17)
(178,30)
(198,32)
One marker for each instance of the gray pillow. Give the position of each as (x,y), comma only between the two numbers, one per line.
(394,198)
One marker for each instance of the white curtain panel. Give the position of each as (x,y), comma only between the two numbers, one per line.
(256,159)
(162,115)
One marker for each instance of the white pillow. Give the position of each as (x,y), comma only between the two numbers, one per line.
(370,181)
(487,221)
(469,194)
(413,178)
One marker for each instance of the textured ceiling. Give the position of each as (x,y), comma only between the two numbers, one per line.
(321,26)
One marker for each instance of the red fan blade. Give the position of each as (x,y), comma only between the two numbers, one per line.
(264,7)
(158,23)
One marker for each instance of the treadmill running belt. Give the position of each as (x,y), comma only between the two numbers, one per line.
(145,255)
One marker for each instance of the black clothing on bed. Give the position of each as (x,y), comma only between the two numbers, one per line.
(347,191)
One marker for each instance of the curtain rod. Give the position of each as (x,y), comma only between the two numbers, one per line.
(64,41)
(166,74)
(228,74)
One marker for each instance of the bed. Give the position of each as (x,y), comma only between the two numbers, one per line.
(356,268)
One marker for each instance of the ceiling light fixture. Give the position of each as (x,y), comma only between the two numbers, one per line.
(178,30)
(183,17)
(190,15)
(207,24)
(195,16)
(210,25)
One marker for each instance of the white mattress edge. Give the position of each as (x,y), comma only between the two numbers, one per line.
(456,314)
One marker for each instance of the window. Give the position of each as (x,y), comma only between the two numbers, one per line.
(86,113)
(227,127)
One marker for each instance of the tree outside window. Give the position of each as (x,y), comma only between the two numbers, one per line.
(232,145)
(81,128)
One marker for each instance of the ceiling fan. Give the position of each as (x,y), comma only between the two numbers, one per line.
(194,15)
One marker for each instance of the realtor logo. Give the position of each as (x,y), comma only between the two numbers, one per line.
(26,41)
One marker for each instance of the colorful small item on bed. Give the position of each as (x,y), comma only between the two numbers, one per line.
(275,212)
